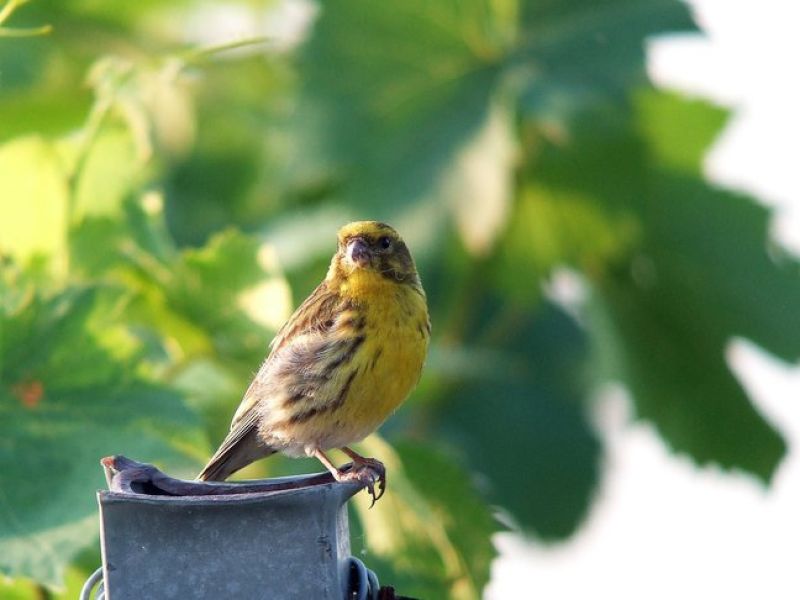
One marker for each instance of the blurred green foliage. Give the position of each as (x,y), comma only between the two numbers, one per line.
(165,199)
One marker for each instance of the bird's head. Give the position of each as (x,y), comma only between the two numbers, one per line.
(371,248)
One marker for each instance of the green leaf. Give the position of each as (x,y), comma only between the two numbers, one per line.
(224,297)
(520,422)
(428,536)
(33,213)
(478,186)
(721,238)
(76,576)
(65,402)
(451,491)
(45,112)
(553,228)
(17,590)
(423,113)
(582,53)
(672,360)
(235,171)
(108,175)
(208,288)
(213,391)
(5,13)
(390,93)
(678,149)
(695,273)
(703,277)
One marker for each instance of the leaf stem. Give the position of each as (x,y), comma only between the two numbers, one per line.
(7,10)
(94,122)
(198,54)
(28,32)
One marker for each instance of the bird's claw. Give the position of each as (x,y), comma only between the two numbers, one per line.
(368,473)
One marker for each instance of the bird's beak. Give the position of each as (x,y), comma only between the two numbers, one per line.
(358,252)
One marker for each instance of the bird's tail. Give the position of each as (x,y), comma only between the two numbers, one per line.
(238,450)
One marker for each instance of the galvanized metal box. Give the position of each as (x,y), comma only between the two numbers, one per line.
(291,543)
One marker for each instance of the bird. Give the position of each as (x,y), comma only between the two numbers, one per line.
(339,367)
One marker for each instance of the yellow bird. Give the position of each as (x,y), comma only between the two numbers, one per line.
(342,363)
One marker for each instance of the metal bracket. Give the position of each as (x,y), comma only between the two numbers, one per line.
(92,582)
(363,583)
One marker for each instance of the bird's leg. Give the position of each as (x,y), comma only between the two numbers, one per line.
(321,457)
(363,472)
(370,463)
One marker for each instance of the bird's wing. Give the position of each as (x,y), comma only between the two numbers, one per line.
(315,315)
(299,341)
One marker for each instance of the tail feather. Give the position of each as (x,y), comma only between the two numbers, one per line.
(237,451)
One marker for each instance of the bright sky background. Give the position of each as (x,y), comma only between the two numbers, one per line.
(660,527)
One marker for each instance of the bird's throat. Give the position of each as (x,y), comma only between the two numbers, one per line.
(363,284)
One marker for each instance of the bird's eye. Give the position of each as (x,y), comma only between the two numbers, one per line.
(384,242)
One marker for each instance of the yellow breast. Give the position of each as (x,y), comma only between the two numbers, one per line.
(396,331)
(366,364)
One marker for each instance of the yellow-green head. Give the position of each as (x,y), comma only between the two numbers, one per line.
(371,252)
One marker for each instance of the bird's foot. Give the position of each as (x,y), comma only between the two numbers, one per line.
(368,472)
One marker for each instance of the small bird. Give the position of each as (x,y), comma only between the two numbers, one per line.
(342,363)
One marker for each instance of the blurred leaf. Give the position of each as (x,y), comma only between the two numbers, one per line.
(686,390)
(65,402)
(33,213)
(478,186)
(207,290)
(450,491)
(201,313)
(151,100)
(553,228)
(25,113)
(695,273)
(522,424)
(410,119)
(132,235)
(214,391)
(719,237)
(704,276)
(234,173)
(6,10)
(391,93)
(698,282)
(223,169)
(17,589)
(419,539)
(109,173)
(583,53)
(216,299)
(677,148)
